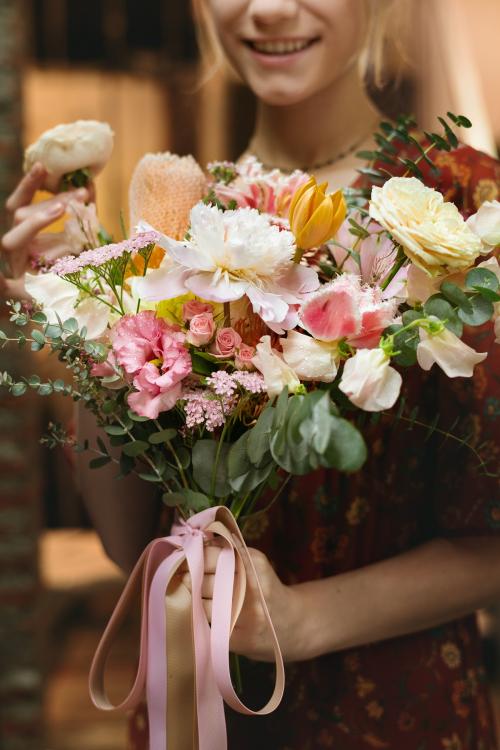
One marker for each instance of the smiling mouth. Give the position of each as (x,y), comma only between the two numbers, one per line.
(280,46)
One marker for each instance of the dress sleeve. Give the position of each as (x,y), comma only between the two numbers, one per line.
(466,493)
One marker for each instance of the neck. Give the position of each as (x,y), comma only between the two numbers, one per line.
(333,120)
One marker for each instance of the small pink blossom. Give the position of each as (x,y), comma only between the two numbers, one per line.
(101,255)
(201,329)
(227,340)
(195,307)
(153,353)
(244,356)
(345,309)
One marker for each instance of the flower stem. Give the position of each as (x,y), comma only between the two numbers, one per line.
(227,314)
(398,264)
(298,255)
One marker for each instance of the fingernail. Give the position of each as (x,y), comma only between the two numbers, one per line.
(56,208)
(37,170)
(82,193)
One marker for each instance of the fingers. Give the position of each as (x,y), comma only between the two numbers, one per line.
(24,212)
(18,240)
(26,189)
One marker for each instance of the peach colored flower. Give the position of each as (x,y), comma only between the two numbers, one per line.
(226,342)
(195,307)
(201,329)
(244,357)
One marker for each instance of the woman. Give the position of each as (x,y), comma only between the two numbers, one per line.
(374,578)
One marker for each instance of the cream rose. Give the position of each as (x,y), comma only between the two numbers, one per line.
(369,381)
(486,225)
(84,144)
(432,232)
(310,359)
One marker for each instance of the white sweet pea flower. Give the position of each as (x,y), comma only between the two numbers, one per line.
(369,381)
(310,359)
(486,225)
(84,144)
(275,371)
(60,298)
(449,352)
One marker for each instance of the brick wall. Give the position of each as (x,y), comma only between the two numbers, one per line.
(20,673)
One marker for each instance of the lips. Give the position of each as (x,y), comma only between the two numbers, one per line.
(277,47)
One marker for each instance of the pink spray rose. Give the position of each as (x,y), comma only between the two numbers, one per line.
(244,356)
(195,307)
(154,354)
(345,308)
(227,340)
(201,329)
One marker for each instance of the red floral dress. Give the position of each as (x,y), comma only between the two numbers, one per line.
(425,691)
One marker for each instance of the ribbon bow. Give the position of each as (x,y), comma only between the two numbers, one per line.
(183,661)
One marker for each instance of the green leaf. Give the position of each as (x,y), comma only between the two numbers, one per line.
(71,325)
(173,499)
(260,435)
(441,308)
(238,461)
(201,365)
(108,406)
(135,448)
(460,120)
(45,389)
(39,317)
(96,463)
(164,436)
(456,296)
(19,389)
(482,311)
(53,332)
(59,386)
(346,449)
(112,429)
(204,463)
(450,135)
(482,278)
(38,337)
(150,477)
(136,417)
(195,500)
(34,381)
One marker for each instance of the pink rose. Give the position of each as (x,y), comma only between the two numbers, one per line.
(195,307)
(244,356)
(226,342)
(201,329)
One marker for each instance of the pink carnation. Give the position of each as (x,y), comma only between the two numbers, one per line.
(154,354)
(345,309)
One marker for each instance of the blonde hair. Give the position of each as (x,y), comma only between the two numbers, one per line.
(383,55)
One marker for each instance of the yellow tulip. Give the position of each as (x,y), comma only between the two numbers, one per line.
(315,216)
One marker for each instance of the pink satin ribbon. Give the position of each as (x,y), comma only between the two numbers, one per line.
(156,567)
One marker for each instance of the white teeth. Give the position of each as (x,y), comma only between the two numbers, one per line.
(280,48)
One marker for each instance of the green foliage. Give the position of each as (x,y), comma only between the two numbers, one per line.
(210,467)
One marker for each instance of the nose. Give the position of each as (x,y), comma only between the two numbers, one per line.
(271,12)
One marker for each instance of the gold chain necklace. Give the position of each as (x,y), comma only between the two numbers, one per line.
(313,167)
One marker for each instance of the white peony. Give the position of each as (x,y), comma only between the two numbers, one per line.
(369,381)
(310,359)
(85,144)
(229,255)
(432,232)
(486,225)
(275,371)
(449,352)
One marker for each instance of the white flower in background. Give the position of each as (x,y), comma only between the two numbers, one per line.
(230,254)
(432,232)
(486,225)
(369,381)
(61,299)
(310,359)
(84,144)
(275,371)
(449,352)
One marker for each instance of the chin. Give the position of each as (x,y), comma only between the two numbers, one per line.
(280,96)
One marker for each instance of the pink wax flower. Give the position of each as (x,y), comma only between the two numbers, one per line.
(345,309)
(195,307)
(153,353)
(201,329)
(227,340)
(244,356)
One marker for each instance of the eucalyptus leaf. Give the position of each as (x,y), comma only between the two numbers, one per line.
(482,311)
(135,448)
(97,463)
(112,429)
(164,436)
(346,450)
(206,470)
(456,296)
(482,278)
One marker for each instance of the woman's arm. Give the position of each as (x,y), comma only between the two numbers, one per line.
(125,512)
(427,586)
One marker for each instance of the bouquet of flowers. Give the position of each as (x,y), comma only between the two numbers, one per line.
(231,341)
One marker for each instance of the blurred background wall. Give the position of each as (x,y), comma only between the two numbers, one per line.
(135,65)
